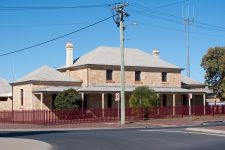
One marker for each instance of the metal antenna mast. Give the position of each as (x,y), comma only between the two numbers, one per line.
(119,20)
(187,22)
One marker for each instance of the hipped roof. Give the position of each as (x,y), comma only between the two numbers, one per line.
(46,73)
(5,88)
(104,55)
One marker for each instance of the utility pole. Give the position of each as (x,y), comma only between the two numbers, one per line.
(119,20)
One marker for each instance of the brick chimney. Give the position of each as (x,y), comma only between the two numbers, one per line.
(69,54)
(155,53)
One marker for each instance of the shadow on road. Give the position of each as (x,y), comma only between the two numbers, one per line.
(27,133)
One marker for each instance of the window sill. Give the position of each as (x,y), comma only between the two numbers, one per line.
(109,81)
(164,82)
(138,82)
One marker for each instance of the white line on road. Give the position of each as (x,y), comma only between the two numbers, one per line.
(185,132)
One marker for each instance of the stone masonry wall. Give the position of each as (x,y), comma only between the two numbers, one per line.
(5,103)
(149,78)
(27,97)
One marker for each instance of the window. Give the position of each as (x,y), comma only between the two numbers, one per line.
(109,74)
(137,75)
(85,101)
(164,76)
(184,100)
(164,100)
(21,97)
(109,100)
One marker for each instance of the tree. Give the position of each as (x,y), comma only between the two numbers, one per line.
(68,99)
(143,97)
(213,63)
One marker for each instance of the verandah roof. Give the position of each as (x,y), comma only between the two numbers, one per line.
(97,89)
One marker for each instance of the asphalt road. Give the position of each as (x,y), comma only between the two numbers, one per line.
(127,139)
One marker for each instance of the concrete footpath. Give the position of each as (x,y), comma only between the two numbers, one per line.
(23,144)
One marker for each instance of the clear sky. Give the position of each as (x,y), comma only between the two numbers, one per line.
(162,28)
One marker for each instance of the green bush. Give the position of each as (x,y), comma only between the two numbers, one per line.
(143,97)
(68,99)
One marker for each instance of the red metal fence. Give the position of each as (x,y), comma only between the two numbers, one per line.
(99,115)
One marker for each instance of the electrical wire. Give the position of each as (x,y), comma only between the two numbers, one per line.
(158,7)
(56,38)
(7,8)
(141,10)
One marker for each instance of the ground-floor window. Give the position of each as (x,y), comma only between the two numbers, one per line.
(184,100)
(85,101)
(109,100)
(164,100)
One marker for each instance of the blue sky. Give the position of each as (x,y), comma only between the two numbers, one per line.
(160,28)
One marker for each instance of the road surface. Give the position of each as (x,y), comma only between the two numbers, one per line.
(125,139)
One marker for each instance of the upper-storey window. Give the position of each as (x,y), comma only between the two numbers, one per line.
(164,76)
(109,74)
(137,75)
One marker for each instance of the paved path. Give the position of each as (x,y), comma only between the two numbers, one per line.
(125,139)
(23,144)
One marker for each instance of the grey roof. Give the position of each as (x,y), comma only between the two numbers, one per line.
(131,88)
(111,56)
(189,81)
(55,89)
(46,73)
(5,88)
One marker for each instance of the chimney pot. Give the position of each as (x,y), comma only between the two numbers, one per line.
(155,53)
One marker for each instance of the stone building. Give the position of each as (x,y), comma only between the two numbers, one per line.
(38,89)
(5,95)
(96,75)
(99,71)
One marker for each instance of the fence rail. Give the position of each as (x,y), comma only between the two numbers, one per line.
(102,115)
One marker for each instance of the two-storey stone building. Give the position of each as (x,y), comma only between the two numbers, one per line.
(96,75)
(99,71)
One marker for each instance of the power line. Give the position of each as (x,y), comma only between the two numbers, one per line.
(157,7)
(141,10)
(43,25)
(7,8)
(56,38)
